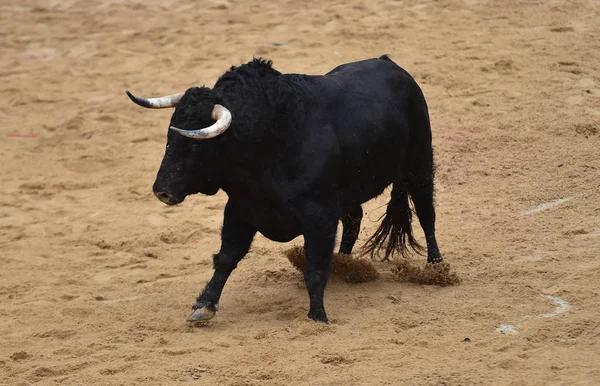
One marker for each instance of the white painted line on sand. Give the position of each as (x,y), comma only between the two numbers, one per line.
(507,329)
(510,329)
(546,205)
(562,307)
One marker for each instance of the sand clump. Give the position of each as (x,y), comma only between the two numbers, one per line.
(353,270)
(429,274)
(346,267)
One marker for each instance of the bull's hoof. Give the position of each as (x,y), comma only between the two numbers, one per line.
(203,314)
(318,316)
(435,260)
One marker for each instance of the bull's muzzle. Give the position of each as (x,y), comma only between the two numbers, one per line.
(167,198)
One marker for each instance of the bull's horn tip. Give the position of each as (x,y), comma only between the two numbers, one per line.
(130,95)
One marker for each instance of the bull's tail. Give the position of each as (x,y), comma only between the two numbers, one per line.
(395,232)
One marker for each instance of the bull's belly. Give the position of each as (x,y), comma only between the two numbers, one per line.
(275,223)
(279,235)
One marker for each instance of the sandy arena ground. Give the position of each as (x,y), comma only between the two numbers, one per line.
(97,276)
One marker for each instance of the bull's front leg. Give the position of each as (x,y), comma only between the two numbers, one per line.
(236,238)
(319,229)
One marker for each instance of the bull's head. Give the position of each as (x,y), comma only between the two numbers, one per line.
(190,164)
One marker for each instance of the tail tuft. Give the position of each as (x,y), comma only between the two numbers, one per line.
(396,229)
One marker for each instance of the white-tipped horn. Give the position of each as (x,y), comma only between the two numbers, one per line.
(223,120)
(156,103)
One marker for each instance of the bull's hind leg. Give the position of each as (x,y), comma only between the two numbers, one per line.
(236,238)
(421,189)
(351,227)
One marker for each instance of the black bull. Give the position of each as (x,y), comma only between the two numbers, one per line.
(299,154)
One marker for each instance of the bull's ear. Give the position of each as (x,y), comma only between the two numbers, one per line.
(156,103)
